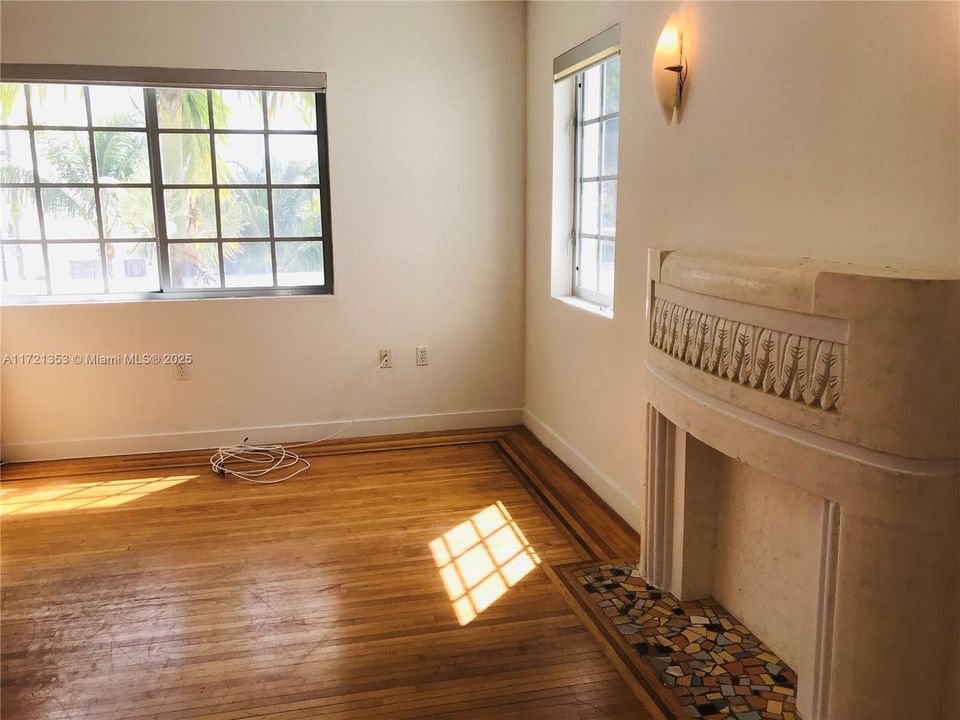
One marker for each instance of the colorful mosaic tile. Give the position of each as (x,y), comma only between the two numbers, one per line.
(712,664)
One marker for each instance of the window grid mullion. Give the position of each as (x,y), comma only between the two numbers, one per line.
(197,186)
(89,125)
(600,119)
(233,186)
(157,187)
(96,190)
(170,130)
(36,180)
(614,179)
(578,194)
(602,88)
(266,162)
(159,204)
(597,178)
(216,191)
(601,134)
(234,131)
(74,185)
(259,238)
(600,180)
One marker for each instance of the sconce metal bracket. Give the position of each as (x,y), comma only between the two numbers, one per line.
(681,71)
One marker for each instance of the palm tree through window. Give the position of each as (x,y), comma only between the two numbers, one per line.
(112,190)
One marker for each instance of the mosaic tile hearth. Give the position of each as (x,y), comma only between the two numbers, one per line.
(712,664)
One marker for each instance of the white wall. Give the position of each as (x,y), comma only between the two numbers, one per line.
(823,129)
(426,151)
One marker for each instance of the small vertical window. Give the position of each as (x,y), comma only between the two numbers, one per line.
(597,152)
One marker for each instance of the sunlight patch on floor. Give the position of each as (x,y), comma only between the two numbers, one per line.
(86,496)
(480,559)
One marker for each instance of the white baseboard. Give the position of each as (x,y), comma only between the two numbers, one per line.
(199,440)
(612,494)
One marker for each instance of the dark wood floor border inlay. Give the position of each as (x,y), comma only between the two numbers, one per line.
(544,502)
(624,653)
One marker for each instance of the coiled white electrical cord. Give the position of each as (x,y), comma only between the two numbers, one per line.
(253,462)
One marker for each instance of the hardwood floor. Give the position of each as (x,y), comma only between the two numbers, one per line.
(149,587)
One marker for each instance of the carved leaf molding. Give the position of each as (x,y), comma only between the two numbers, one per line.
(803,369)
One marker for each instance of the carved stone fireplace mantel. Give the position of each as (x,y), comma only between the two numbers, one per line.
(843,381)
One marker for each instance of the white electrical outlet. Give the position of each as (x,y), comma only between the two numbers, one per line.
(386,358)
(181,371)
(423,357)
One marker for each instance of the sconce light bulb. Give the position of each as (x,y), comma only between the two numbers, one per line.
(668,46)
(669,70)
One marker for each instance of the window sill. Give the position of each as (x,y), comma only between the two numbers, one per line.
(119,299)
(605,311)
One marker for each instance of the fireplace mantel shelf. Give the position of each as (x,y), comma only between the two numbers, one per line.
(785,283)
(861,355)
(844,381)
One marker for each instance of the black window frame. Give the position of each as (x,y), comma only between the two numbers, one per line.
(150,79)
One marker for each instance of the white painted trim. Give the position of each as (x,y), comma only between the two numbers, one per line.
(199,440)
(580,303)
(612,494)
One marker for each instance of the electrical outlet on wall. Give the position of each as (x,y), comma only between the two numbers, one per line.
(423,356)
(181,371)
(385,359)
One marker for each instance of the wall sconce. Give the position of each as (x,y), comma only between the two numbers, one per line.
(669,71)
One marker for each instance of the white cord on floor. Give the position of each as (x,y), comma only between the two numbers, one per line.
(253,462)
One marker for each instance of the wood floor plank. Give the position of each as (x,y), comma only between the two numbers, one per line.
(153,588)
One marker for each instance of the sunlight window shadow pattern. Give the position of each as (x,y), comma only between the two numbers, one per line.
(85,496)
(480,559)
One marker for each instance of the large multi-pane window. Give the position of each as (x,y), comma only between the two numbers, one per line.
(598,134)
(149,191)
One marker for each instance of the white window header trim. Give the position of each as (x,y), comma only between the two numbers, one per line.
(589,52)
